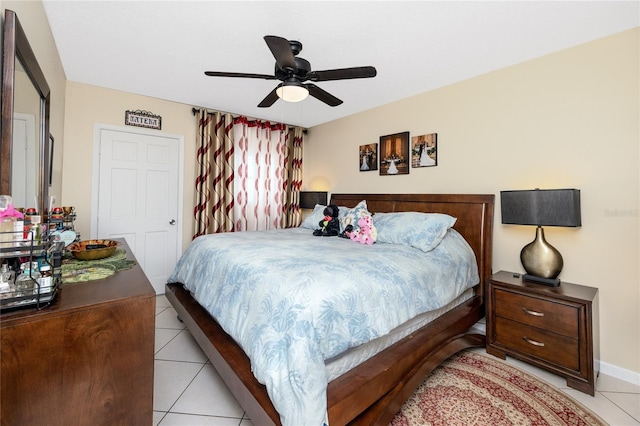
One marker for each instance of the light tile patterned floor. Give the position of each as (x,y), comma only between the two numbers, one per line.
(189,392)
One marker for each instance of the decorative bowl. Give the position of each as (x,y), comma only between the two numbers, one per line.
(92,249)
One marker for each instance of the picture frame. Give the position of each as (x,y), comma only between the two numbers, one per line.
(368,157)
(424,150)
(394,154)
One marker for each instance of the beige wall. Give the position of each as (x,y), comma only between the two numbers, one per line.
(87,105)
(567,120)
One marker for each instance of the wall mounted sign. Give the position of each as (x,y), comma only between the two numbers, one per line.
(142,119)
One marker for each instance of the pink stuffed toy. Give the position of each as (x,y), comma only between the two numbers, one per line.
(366,232)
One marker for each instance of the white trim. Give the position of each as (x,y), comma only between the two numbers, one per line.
(480,327)
(95,175)
(620,373)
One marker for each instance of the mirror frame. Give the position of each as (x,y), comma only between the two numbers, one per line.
(16,47)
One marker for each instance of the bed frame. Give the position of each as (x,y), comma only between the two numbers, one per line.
(371,393)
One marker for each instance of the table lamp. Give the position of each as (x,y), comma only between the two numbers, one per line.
(309,199)
(541,207)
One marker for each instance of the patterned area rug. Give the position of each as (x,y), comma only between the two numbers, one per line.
(473,389)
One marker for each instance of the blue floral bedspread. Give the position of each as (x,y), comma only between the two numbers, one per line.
(292,300)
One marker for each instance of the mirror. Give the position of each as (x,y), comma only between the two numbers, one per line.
(24,149)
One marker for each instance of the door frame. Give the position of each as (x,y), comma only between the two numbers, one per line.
(95,175)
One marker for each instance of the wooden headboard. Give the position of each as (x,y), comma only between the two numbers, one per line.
(474,213)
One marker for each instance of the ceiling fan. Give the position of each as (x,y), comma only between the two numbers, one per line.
(293,71)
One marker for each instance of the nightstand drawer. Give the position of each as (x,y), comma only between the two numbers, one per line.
(540,313)
(541,344)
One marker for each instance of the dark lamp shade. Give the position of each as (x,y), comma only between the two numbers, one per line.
(309,199)
(541,207)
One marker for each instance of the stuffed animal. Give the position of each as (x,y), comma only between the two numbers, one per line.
(329,225)
(347,232)
(366,233)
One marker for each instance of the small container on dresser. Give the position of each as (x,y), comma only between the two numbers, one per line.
(554,328)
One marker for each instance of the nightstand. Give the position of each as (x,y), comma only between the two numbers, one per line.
(555,328)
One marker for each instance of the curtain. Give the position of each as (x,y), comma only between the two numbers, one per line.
(213,211)
(261,157)
(249,174)
(293,178)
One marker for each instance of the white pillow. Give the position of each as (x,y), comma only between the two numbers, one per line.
(312,221)
(420,230)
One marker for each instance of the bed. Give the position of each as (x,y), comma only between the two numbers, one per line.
(373,390)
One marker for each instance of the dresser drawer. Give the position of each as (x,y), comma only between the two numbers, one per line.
(556,317)
(551,347)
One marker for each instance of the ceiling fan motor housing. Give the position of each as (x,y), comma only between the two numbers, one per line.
(296,46)
(303,68)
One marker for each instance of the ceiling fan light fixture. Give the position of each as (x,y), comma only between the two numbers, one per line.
(292,91)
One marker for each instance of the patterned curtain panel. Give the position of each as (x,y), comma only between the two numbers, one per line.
(293,178)
(213,211)
(261,154)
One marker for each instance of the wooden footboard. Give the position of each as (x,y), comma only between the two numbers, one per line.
(395,373)
(225,355)
(371,393)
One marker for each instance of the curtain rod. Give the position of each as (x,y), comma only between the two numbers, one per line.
(195,111)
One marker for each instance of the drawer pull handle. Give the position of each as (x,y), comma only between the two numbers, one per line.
(532,342)
(534,313)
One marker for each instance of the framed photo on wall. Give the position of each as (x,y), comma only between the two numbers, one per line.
(368,157)
(394,154)
(424,150)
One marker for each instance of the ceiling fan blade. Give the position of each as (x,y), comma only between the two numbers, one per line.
(239,74)
(322,95)
(269,100)
(281,50)
(342,74)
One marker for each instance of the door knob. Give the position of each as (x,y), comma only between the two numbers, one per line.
(172,222)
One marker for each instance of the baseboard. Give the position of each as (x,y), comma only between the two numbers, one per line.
(605,368)
(479,327)
(620,373)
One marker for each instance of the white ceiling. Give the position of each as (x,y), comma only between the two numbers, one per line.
(162,48)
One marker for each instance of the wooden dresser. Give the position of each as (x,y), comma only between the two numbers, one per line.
(555,328)
(87,359)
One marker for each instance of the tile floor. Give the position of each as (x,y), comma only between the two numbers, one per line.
(188,391)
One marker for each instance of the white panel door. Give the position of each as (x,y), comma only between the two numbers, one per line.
(24,161)
(138,198)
